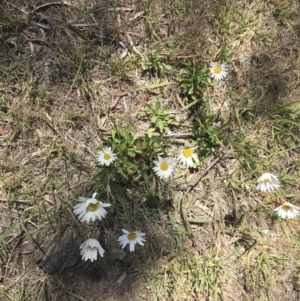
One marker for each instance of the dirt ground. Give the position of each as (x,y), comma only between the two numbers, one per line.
(73,71)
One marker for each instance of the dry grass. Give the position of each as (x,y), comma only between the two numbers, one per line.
(71,71)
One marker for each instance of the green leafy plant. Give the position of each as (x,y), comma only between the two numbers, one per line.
(193,80)
(157,63)
(131,174)
(135,156)
(159,115)
(209,131)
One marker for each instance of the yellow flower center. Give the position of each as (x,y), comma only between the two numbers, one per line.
(91,248)
(93,207)
(106,156)
(266,181)
(286,207)
(217,69)
(132,236)
(164,166)
(187,152)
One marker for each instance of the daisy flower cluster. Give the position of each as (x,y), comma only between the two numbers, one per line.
(91,209)
(164,167)
(267,183)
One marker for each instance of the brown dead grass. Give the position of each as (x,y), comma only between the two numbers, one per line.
(61,72)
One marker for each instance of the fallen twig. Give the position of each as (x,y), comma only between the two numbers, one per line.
(119,94)
(47,4)
(39,41)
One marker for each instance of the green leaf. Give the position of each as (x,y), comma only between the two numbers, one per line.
(199,220)
(167,67)
(160,126)
(148,107)
(131,153)
(165,110)
(191,90)
(135,136)
(113,133)
(149,132)
(137,178)
(234,185)
(120,170)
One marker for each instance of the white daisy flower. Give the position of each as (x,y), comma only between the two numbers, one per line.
(164,167)
(218,70)
(90,209)
(287,210)
(106,156)
(187,155)
(131,238)
(267,182)
(89,249)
